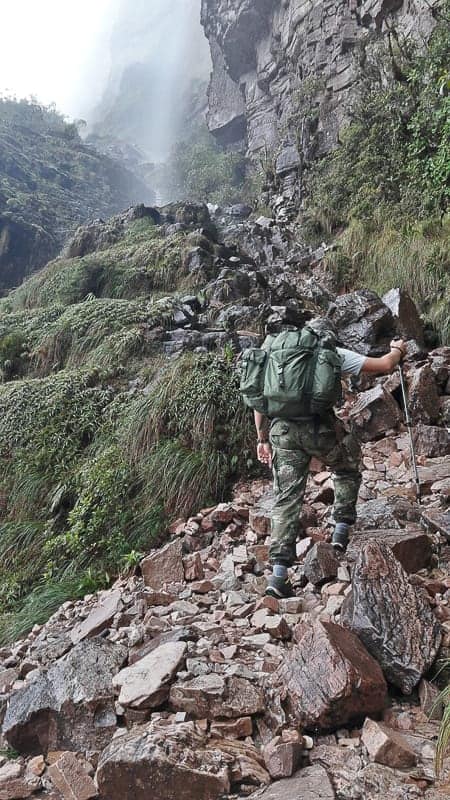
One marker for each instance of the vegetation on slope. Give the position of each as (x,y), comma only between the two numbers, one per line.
(386,189)
(102,440)
(50,181)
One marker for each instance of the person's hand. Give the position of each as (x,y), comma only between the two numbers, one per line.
(264,453)
(399,345)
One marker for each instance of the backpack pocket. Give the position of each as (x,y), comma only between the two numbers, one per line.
(286,381)
(326,388)
(252,370)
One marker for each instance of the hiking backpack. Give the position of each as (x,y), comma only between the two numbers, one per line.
(294,374)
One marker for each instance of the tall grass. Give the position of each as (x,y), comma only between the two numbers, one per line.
(443,743)
(413,257)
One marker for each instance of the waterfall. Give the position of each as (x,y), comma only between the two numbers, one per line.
(160,59)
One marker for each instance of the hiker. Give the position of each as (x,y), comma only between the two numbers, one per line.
(287,446)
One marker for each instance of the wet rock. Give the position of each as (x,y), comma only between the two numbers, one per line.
(392,618)
(407,319)
(173,760)
(431,441)
(146,683)
(70,776)
(423,395)
(321,564)
(99,618)
(374,413)
(311,783)
(364,322)
(214,696)
(386,746)
(164,566)
(330,679)
(69,707)
(412,547)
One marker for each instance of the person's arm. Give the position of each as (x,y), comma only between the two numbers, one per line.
(264,450)
(388,362)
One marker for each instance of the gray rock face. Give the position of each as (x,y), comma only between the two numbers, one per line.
(273,60)
(392,618)
(70,707)
(173,760)
(364,322)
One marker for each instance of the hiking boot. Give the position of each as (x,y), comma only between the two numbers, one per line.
(340,537)
(279,588)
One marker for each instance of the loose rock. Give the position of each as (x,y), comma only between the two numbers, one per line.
(391,617)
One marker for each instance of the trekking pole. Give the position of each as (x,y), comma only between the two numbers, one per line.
(409,426)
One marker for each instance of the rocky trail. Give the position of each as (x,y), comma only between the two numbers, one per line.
(183,681)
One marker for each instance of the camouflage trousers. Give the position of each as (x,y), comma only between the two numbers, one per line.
(293,445)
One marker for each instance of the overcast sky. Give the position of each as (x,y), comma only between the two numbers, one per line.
(56,50)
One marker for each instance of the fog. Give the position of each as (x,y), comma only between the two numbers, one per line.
(56,51)
(160,63)
(131,68)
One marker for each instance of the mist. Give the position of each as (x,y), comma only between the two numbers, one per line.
(160,64)
(57,52)
(134,70)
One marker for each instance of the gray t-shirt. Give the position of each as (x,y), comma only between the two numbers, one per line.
(352,362)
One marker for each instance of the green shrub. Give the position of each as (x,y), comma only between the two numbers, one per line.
(394,157)
(201,171)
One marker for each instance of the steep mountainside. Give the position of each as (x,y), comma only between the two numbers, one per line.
(50,182)
(119,418)
(273,61)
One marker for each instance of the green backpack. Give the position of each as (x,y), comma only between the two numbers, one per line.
(294,374)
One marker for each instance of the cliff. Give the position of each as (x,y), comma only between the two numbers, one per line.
(285,71)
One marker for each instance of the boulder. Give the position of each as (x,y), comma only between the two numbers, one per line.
(386,512)
(364,322)
(386,746)
(70,707)
(374,413)
(311,783)
(69,775)
(173,760)
(411,546)
(16,783)
(431,441)
(146,683)
(330,679)
(392,618)
(100,617)
(321,563)
(423,395)
(407,319)
(213,696)
(164,566)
